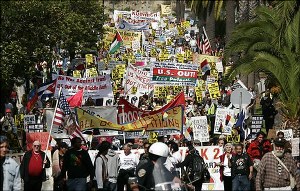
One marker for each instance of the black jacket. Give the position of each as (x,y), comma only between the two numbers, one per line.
(25,164)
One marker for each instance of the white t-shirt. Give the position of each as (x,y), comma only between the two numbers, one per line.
(128,162)
(227,170)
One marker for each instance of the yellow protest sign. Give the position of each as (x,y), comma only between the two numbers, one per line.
(180,58)
(165,9)
(213,89)
(127,36)
(89,58)
(171,119)
(76,74)
(153,137)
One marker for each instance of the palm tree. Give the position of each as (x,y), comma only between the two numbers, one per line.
(265,45)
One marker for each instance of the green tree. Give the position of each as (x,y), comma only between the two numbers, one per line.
(31,30)
(263,46)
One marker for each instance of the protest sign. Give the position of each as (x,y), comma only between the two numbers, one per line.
(131,113)
(138,78)
(214,91)
(224,121)
(288,134)
(200,128)
(29,119)
(256,124)
(42,137)
(96,87)
(145,135)
(169,119)
(167,73)
(127,36)
(295,146)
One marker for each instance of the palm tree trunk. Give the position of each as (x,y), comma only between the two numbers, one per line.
(210,27)
(230,18)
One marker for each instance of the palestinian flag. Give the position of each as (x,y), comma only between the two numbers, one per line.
(116,44)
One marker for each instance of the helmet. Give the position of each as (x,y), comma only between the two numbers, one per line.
(159,149)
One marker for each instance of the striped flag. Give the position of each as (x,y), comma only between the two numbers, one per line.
(205,46)
(115,45)
(73,128)
(62,110)
(46,90)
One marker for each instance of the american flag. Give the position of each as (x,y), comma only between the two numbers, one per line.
(73,128)
(62,110)
(204,43)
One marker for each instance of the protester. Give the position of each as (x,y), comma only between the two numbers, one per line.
(7,121)
(78,165)
(174,158)
(113,165)
(192,176)
(145,156)
(241,169)
(10,170)
(57,163)
(275,169)
(269,112)
(33,166)
(128,163)
(225,170)
(287,145)
(101,167)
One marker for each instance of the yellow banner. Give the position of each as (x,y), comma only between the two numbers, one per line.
(171,119)
(214,90)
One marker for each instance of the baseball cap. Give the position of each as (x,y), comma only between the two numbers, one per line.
(279,142)
(8,111)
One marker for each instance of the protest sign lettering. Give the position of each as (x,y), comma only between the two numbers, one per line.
(288,134)
(224,121)
(200,128)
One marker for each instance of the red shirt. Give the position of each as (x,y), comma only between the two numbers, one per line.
(35,165)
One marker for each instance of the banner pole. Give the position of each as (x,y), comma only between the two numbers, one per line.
(51,126)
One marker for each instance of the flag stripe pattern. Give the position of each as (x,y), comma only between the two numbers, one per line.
(62,110)
(46,90)
(204,44)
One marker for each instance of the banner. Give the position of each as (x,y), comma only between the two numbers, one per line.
(127,36)
(96,87)
(224,121)
(107,112)
(145,135)
(125,25)
(138,78)
(139,15)
(42,137)
(130,113)
(167,73)
(170,119)
(200,128)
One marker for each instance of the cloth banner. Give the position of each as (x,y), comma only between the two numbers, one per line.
(200,128)
(224,121)
(172,74)
(108,112)
(132,113)
(125,25)
(169,119)
(138,78)
(147,16)
(96,87)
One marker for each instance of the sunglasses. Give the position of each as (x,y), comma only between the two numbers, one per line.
(36,145)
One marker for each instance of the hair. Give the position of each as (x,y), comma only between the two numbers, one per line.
(228,145)
(104,146)
(280,133)
(74,140)
(3,139)
(239,145)
(174,146)
(63,145)
(261,133)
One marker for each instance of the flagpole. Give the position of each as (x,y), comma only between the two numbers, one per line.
(51,126)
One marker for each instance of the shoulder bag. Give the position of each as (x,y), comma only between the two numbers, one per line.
(292,179)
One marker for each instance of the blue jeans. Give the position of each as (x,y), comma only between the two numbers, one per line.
(76,184)
(240,183)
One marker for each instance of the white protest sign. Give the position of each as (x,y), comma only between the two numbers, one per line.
(200,128)
(139,15)
(137,78)
(295,147)
(288,134)
(224,121)
(29,119)
(96,87)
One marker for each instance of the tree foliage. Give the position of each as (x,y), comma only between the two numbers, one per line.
(31,30)
(271,43)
